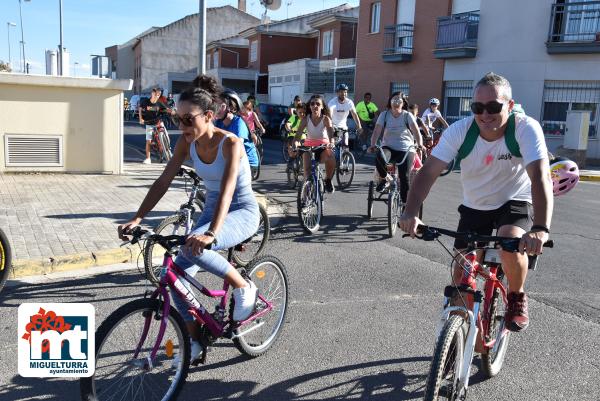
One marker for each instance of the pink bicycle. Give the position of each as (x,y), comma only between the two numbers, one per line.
(143,348)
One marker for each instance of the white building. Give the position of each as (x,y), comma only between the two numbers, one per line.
(548,50)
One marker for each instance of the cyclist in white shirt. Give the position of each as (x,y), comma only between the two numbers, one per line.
(339,108)
(432,113)
(501,190)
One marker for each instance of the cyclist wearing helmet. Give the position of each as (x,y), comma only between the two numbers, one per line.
(501,190)
(228,118)
(339,108)
(432,113)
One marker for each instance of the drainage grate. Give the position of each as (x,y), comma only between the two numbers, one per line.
(31,150)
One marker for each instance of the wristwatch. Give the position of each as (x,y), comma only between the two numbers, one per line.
(539,227)
(211,234)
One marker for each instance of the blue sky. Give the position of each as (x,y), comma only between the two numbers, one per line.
(91,25)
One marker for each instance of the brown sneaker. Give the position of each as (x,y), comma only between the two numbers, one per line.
(516,317)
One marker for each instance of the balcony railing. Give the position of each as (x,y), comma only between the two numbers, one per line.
(457,35)
(575,28)
(398,43)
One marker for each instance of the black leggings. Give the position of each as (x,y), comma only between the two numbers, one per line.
(388,156)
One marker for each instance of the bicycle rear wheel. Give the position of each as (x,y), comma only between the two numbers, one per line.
(393,211)
(171,225)
(5,259)
(270,277)
(121,373)
(255,170)
(492,361)
(254,245)
(310,206)
(442,381)
(344,173)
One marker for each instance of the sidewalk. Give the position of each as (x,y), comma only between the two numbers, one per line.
(57,222)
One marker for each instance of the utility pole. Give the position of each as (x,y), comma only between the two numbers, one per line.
(22,38)
(60,46)
(202,37)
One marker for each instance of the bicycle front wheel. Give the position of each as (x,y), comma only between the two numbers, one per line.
(284,150)
(310,207)
(270,277)
(164,147)
(5,259)
(253,247)
(442,382)
(255,170)
(492,361)
(172,225)
(123,347)
(448,168)
(344,173)
(393,211)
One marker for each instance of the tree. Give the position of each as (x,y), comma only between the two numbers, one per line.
(4,67)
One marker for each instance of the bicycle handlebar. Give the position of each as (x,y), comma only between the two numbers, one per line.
(185,170)
(509,244)
(166,241)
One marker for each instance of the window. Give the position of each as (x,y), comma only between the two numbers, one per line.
(328,43)
(403,87)
(563,96)
(253,50)
(457,100)
(216,59)
(375,16)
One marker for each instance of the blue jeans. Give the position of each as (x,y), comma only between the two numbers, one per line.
(241,223)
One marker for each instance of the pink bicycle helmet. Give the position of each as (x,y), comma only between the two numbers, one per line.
(565,175)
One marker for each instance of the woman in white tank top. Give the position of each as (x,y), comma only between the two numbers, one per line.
(319,131)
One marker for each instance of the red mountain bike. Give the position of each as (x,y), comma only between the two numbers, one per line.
(472,319)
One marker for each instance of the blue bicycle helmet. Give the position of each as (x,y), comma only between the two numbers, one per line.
(342,87)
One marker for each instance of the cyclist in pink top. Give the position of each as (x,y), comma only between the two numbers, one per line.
(319,131)
(252,120)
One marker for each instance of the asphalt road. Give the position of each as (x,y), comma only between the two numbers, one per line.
(361,323)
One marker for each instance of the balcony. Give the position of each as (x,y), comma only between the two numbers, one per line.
(398,43)
(457,36)
(574,28)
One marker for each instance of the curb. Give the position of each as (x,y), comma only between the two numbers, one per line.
(85,260)
(34,267)
(583,177)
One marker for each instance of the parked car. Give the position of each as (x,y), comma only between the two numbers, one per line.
(271,117)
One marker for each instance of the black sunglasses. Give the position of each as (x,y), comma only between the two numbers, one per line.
(187,120)
(492,107)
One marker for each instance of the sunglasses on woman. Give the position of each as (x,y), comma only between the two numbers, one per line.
(187,120)
(492,107)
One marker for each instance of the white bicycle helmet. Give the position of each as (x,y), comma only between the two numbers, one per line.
(434,100)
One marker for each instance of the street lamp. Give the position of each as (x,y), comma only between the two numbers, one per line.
(8,25)
(75,64)
(22,37)
(60,46)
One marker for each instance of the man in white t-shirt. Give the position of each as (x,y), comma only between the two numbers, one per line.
(339,108)
(432,114)
(500,191)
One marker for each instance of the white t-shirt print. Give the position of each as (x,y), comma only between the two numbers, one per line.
(339,111)
(490,174)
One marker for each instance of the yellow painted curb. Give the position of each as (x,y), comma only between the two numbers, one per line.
(35,267)
(589,177)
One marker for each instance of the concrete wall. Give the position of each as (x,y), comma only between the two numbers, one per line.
(174,48)
(511,45)
(86,112)
(423,73)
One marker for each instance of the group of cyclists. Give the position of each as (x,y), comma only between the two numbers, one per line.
(507,174)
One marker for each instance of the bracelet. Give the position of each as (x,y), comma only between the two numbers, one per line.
(539,227)
(210,233)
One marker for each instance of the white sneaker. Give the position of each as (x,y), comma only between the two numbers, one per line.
(244,300)
(196,350)
(147,161)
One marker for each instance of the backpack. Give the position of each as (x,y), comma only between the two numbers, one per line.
(473,133)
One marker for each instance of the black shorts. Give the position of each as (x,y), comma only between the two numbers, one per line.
(514,213)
